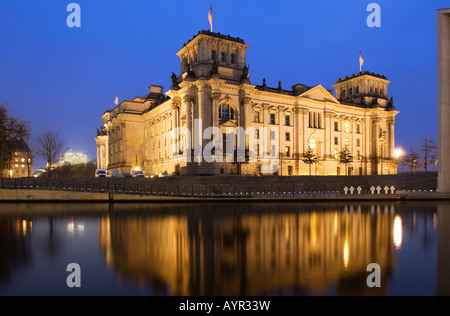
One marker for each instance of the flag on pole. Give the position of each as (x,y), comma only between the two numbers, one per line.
(361,61)
(210,18)
(116,101)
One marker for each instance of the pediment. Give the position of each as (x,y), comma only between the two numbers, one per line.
(319,93)
(228,123)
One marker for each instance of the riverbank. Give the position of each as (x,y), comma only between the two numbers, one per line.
(58,196)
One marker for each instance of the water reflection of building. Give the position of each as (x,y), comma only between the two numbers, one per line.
(315,251)
(14,245)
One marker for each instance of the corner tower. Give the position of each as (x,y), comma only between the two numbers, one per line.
(210,54)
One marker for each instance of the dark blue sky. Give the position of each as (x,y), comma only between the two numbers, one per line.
(64,78)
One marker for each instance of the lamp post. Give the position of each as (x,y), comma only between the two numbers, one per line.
(398,153)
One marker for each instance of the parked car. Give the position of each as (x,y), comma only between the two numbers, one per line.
(138,173)
(100,173)
(114,173)
(127,175)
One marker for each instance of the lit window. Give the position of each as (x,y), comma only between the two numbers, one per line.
(336,154)
(313,144)
(17,166)
(256,117)
(23,159)
(226,112)
(287,120)
(23,166)
(347,127)
(288,151)
(347,142)
(272,118)
(16,159)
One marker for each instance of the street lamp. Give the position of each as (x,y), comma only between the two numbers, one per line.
(398,153)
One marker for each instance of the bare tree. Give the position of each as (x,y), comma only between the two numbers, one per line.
(412,159)
(49,147)
(13,131)
(428,149)
(345,157)
(310,157)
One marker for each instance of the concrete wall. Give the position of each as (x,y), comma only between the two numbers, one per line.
(443,21)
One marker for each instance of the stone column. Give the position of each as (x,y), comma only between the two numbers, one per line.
(305,131)
(188,100)
(391,124)
(443,34)
(267,127)
(281,138)
(296,136)
(328,132)
(215,96)
(247,122)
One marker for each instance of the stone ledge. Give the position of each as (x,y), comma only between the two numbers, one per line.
(27,195)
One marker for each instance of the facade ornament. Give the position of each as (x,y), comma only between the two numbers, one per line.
(175,85)
(215,96)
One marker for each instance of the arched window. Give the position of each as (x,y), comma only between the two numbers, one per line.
(227,112)
(213,55)
(313,144)
(347,127)
(233,58)
(222,57)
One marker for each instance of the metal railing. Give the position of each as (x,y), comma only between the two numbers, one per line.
(145,186)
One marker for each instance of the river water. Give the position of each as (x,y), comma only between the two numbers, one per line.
(225,249)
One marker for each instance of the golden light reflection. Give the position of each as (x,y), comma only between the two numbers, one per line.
(247,254)
(346,254)
(398,232)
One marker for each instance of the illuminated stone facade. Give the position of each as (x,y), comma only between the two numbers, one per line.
(20,164)
(214,87)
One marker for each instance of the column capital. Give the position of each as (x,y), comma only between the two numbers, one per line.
(300,110)
(188,98)
(215,96)
(329,114)
(246,100)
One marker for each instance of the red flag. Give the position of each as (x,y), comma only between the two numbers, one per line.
(210,18)
(116,101)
